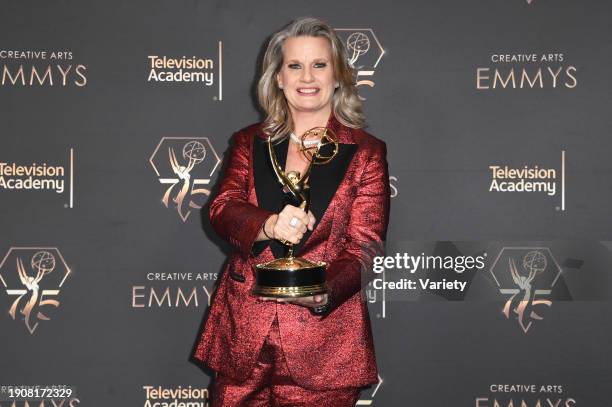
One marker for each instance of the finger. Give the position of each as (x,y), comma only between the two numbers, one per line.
(304,301)
(299,225)
(304,217)
(289,233)
(284,217)
(311,220)
(289,230)
(289,208)
(292,236)
(298,228)
(300,214)
(318,298)
(287,213)
(286,221)
(291,211)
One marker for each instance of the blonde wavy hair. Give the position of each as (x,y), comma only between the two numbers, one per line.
(346,104)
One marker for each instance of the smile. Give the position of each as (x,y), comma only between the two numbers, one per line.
(308,91)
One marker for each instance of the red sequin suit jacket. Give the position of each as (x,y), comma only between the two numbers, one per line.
(322,352)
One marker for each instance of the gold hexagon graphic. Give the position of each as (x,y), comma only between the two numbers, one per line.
(34,276)
(185,166)
(362,45)
(527,274)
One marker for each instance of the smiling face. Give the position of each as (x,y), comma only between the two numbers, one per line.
(307,75)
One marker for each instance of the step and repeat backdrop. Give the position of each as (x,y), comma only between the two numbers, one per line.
(114,121)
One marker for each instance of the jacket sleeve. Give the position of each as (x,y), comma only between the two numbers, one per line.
(351,270)
(231,215)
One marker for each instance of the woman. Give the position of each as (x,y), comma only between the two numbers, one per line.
(314,351)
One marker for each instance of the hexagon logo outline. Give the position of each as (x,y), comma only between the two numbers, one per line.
(520,282)
(44,263)
(185,173)
(356,50)
(359,44)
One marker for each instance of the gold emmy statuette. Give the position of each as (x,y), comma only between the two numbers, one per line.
(290,276)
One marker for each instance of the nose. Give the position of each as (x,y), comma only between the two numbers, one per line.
(307,74)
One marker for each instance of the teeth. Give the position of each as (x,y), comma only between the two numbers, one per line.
(308,90)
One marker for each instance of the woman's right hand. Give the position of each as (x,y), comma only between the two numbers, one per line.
(281,226)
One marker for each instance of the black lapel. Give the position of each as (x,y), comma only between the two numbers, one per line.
(324,181)
(267,188)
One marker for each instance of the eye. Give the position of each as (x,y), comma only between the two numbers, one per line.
(293,66)
(320,64)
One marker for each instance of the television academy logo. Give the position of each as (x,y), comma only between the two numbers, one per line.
(527,275)
(364,52)
(188,69)
(39,176)
(33,276)
(530,179)
(184,165)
